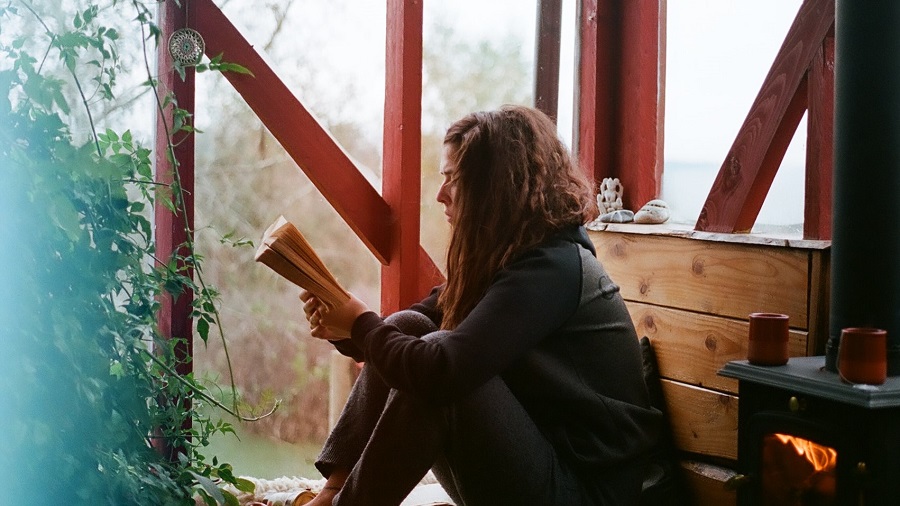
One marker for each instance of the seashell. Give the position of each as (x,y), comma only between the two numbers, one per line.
(654,212)
(620,216)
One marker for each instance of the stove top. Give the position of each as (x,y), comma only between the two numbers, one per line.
(807,375)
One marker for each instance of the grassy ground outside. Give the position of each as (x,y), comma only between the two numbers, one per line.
(261,457)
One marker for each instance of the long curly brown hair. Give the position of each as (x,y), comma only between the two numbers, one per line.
(516,184)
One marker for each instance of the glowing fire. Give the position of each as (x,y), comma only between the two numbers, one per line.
(821,457)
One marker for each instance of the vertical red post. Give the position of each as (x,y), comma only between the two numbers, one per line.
(597,80)
(639,150)
(820,143)
(171,229)
(620,94)
(546,75)
(401,184)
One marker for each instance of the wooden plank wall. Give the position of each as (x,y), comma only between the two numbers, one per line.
(691,294)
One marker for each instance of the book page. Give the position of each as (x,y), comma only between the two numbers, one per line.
(284,250)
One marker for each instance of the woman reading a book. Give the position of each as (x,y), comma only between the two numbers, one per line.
(519,380)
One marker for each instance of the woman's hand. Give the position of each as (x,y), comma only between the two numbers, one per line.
(334,323)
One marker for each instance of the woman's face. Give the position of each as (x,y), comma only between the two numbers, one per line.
(447,192)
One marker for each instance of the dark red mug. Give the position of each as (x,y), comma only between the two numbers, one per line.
(862,355)
(768,344)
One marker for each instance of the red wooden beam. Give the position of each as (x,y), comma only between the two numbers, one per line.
(820,143)
(597,82)
(621,72)
(744,179)
(171,229)
(639,150)
(401,183)
(429,275)
(773,157)
(546,75)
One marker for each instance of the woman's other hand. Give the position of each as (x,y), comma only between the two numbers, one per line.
(334,323)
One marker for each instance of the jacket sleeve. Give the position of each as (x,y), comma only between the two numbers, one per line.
(427,307)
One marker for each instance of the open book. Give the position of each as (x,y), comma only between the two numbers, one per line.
(284,250)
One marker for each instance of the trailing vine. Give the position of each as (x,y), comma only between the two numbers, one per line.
(89,386)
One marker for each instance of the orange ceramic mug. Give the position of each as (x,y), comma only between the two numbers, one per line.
(862,355)
(768,343)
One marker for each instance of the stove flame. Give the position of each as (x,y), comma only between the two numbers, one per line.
(822,458)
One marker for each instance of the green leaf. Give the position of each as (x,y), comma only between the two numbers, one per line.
(90,13)
(244,485)
(107,91)
(203,329)
(230,499)
(71,60)
(64,215)
(209,487)
(116,369)
(236,68)
(225,472)
(144,168)
(71,40)
(207,499)
(60,100)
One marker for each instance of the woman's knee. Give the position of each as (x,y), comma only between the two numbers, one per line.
(411,322)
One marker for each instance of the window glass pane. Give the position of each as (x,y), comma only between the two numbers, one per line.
(718,54)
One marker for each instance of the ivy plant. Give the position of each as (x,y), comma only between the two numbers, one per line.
(88,387)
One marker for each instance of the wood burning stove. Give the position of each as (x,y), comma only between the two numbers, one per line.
(807,438)
(851,433)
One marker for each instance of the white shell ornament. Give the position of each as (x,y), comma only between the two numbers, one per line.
(654,212)
(186,46)
(609,198)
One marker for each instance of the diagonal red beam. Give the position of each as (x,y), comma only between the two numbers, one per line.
(746,175)
(298,131)
(772,158)
(429,275)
